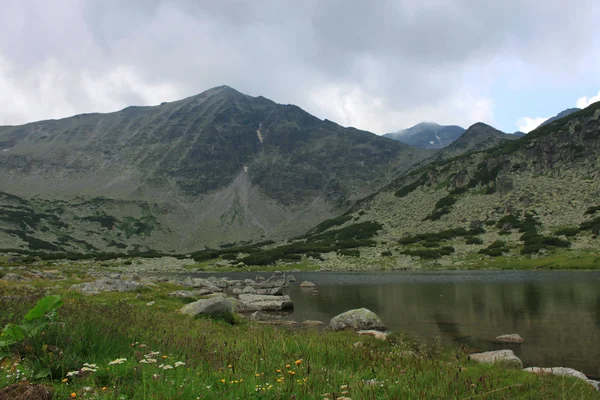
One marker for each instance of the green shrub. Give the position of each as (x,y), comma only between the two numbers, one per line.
(386,253)
(349,252)
(571,231)
(592,210)
(474,240)
(445,202)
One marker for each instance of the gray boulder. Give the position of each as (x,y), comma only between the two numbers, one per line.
(510,338)
(504,357)
(213,306)
(256,302)
(13,277)
(307,284)
(359,319)
(291,278)
(563,371)
(107,285)
(182,294)
(276,280)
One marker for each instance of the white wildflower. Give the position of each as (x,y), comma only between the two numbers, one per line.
(73,373)
(167,367)
(179,364)
(90,365)
(117,361)
(152,354)
(87,369)
(148,361)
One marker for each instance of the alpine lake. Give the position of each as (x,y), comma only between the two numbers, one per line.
(556,312)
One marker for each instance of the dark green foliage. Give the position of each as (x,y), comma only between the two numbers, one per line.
(592,210)
(405,190)
(205,255)
(526,224)
(436,237)
(386,253)
(445,202)
(141,227)
(567,232)
(490,222)
(349,237)
(229,256)
(429,254)
(349,252)
(591,225)
(118,245)
(459,190)
(474,240)
(437,214)
(498,244)
(495,249)
(483,176)
(105,221)
(330,223)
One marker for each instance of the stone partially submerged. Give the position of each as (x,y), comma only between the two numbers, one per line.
(276,280)
(504,357)
(107,285)
(255,302)
(563,371)
(213,306)
(358,319)
(510,338)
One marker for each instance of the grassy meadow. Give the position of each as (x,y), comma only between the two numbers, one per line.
(116,346)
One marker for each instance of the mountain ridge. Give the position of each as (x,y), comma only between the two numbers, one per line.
(261,169)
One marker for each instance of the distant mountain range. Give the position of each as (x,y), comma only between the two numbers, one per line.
(428,135)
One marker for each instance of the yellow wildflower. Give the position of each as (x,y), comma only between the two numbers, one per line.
(297,362)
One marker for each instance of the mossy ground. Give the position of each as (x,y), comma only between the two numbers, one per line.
(212,359)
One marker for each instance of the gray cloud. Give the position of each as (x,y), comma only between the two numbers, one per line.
(379,66)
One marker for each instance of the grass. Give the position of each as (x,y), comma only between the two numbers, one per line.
(211,359)
(560,259)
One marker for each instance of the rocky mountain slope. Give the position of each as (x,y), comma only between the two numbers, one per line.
(560,115)
(477,138)
(530,197)
(217,167)
(428,135)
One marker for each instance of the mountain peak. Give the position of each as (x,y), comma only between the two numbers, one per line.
(428,135)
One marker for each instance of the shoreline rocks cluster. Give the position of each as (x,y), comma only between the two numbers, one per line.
(510,360)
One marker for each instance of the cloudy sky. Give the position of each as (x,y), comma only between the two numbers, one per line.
(510,63)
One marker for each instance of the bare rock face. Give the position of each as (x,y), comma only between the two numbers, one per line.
(213,306)
(276,280)
(558,371)
(256,302)
(505,357)
(358,319)
(107,285)
(510,338)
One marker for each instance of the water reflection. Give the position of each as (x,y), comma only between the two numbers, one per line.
(558,313)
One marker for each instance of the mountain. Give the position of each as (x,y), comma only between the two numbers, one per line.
(213,168)
(530,196)
(478,137)
(519,134)
(560,115)
(428,135)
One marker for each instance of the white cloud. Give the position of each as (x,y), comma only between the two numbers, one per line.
(584,101)
(349,105)
(527,124)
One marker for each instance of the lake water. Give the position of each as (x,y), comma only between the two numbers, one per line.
(556,312)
